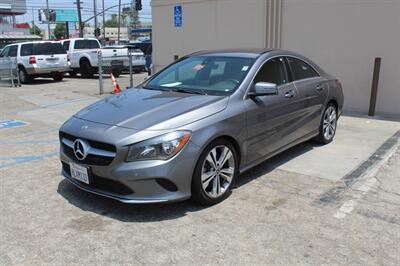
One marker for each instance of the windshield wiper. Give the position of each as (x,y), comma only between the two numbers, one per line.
(188,91)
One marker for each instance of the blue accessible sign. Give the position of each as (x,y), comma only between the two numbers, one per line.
(178,16)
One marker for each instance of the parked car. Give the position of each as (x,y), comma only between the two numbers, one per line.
(138,60)
(83,55)
(190,129)
(38,59)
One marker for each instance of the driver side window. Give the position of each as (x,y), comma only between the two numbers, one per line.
(4,53)
(273,71)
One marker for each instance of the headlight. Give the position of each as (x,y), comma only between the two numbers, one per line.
(159,148)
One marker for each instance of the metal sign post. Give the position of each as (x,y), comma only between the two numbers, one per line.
(100,63)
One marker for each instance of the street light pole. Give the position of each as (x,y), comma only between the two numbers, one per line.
(119,19)
(95,17)
(48,19)
(78,6)
(104,22)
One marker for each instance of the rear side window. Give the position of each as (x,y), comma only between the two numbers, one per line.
(48,49)
(300,69)
(26,49)
(86,44)
(66,45)
(13,51)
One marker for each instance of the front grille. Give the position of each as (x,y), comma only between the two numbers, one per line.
(101,183)
(91,159)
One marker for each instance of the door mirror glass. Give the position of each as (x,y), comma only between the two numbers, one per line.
(264,88)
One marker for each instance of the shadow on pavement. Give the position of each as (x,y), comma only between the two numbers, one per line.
(159,212)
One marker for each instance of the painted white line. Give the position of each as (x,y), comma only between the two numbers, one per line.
(363,188)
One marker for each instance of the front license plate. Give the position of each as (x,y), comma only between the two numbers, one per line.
(79,172)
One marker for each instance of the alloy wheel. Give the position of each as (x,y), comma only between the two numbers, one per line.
(329,123)
(217,171)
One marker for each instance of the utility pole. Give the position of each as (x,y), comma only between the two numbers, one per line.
(104,22)
(33,22)
(80,26)
(119,19)
(95,17)
(48,20)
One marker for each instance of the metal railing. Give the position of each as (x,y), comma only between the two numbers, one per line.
(117,66)
(9,72)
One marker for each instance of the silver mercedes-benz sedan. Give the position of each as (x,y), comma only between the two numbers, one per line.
(192,128)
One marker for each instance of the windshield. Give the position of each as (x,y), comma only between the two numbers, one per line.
(217,75)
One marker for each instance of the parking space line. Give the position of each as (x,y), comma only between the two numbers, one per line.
(335,194)
(24,159)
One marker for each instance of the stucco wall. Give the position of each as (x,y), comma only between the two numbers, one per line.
(344,37)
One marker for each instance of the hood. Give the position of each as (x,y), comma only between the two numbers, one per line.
(152,109)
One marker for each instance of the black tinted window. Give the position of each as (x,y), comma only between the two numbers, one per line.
(273,71)
(13,51)
(26,49)
(48,48)
(86,44)
(66,45)
(300,69)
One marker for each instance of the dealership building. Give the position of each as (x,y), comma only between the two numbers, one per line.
(342,36)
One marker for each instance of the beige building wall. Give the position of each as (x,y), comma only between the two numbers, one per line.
(206,25)
(343,36)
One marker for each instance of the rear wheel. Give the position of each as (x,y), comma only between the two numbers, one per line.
(73,73)
(215,173)
(24,78)
(58,77)
(327,128)
(87,70)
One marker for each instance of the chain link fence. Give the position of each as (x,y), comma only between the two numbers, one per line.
(122,67)
(9,72)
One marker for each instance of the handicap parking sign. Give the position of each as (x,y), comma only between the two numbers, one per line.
(178,16)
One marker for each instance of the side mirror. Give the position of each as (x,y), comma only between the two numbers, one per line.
(147,78)
(264,88)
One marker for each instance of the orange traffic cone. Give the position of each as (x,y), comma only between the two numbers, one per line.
(116,88)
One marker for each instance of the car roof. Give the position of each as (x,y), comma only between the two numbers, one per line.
(251,52)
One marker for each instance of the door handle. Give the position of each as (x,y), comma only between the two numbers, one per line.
(289,94)
(319,87)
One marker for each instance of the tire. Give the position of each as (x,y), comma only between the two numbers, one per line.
(58,77)
(24,78)
(207,178)
(73,73)
(116,72)
(87,70)
(328,125)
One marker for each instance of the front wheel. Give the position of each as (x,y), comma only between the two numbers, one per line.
(215,173)
(58,77)
(327,128)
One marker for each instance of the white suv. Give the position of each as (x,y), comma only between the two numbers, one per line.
(38,59)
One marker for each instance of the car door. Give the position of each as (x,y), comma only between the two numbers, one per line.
(272,120)
(313,90)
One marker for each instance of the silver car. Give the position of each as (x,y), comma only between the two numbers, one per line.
(192,128)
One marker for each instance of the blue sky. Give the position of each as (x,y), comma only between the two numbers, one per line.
(87,8)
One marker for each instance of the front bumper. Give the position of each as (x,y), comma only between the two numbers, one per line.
(138,182)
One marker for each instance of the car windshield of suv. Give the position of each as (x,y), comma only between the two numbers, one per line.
(216,75)
(48,49)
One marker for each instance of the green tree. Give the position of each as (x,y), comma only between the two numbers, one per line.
(112,22)
(59,31)
(35,30)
